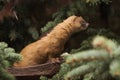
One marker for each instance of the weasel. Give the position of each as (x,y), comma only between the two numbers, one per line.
(51,46)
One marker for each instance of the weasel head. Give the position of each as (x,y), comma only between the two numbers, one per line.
(78,23)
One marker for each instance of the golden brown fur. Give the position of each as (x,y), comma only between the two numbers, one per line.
(51,45)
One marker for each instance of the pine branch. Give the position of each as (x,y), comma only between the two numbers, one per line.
(95,2)
(7,58)
(99,73)
(115,67)
(106,52)
(77,72)
(88,55)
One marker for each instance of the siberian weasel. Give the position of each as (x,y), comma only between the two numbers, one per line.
(51,46)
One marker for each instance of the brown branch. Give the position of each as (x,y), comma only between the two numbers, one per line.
(47,69)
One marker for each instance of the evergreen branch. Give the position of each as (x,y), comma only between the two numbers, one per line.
(92,76)
(115,67)
(107,44)
(8,50)
(108,50)
(77,72)
(13,57)
(4,75)
(95,2)
(99,73)
(116,53)
(88,55)
(7,58)
(89,76)
(3,45)
(5,64)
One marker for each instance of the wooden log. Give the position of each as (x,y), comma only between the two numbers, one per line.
(47,69)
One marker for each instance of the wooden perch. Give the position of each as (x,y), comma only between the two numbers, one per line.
(47,69)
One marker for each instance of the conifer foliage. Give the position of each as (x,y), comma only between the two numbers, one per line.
(99,63)
(7,58)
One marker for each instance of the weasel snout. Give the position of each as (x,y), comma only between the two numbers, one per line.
(84,24)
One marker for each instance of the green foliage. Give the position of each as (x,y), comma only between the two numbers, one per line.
(7,58)
(95,2)
(88,55)
(104,58)
(80,70)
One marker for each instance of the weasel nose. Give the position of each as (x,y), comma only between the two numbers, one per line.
(84,24)
(87,24)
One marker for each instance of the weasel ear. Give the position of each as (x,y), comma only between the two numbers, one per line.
(70,19)
(77,19)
